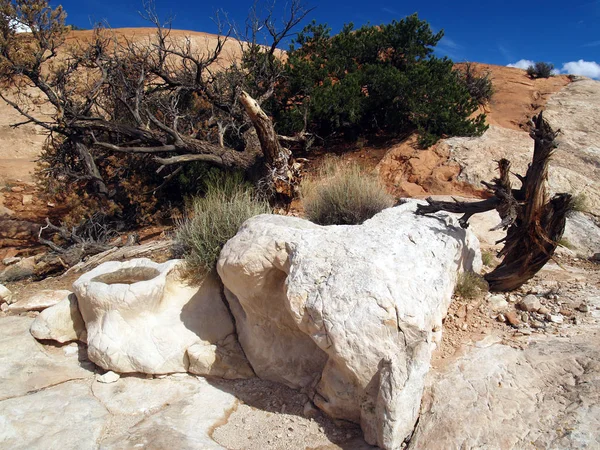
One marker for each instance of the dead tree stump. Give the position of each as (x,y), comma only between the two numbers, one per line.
(534,222)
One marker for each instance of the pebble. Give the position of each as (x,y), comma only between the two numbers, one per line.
(583,308)
(525,317)
(501,318)
(108,377)
(530,303)
(4,307)
(310,410)
(512,318)
(537,324)
(556,318)
(566,312)
(544,311)
(497,302)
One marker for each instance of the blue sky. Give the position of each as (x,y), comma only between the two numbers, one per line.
(565,33)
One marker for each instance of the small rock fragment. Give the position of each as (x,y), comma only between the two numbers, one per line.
(501,318)
(525,317)
(566,312)
(530,303)
(310,410)
(583,308)
(556,318)
(108,377)
(4,307)
(497,303)
(512,318)
(544,311)
(537,324)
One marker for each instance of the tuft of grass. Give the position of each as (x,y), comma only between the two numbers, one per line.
(579,203)
(343,194)
(470,285)
(565,243)
(214,219)
(480,86)
(488,258)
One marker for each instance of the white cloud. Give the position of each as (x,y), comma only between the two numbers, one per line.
(586,68)
(522,64)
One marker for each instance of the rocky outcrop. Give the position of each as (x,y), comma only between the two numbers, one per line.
(546,396)
(348,314)
(141,316)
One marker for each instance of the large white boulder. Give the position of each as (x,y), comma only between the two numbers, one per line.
(141,316)
(349,314)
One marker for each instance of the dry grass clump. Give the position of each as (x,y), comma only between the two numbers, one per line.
(214,219)
(488,258)
(470,285)
(343,194)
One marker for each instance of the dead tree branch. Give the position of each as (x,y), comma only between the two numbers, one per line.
(534,223)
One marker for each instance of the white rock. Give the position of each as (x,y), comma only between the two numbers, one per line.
(556,318)
(39,301)
(347,312)
(530,303)
(497,303)
(5,294)
(108,378)
(142,317)
(61,322)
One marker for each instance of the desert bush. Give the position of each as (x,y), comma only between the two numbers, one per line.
(215,218)
(470,285)
(343,194)
(540,70)
(480,86)
(373,79)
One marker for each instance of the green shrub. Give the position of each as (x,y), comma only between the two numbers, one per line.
(343,194)
(214,219)
(470,285)
(540,70)
(480,87)
(372,79)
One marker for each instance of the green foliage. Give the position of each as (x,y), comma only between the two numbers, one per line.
(372,79)
(480,87)
(343,195)
(214,219)
(540,70)
(470,285)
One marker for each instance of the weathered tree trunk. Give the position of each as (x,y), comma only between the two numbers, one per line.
(534,224)
(281,172)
